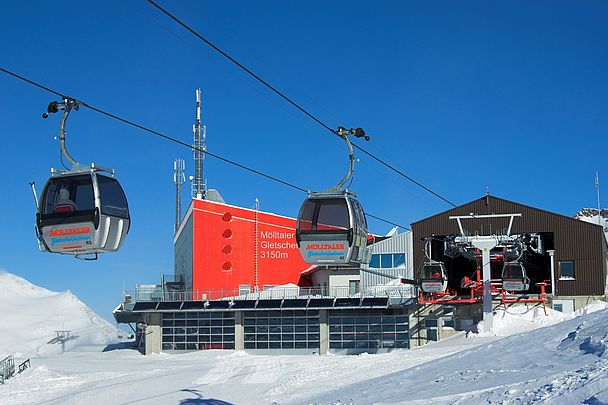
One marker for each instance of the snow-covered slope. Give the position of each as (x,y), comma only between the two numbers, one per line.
(529,358)
(565,363)
(30,315)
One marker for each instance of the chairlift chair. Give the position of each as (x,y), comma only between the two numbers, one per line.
(514,277)
(331,227)
(81,212)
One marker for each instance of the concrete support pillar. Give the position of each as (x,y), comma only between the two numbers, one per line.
(323,332)
(152,333)
(239,331)
(414,328)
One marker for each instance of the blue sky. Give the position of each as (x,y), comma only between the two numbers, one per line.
(465,95)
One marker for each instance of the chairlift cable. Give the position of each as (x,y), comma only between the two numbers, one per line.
(171,139)
(290,101)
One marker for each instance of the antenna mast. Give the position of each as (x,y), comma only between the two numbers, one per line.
(200,146)
(178,178)
(597,190)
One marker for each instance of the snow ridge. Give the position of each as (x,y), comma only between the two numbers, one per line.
(32,314)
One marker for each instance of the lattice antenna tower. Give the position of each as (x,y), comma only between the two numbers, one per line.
(199,186)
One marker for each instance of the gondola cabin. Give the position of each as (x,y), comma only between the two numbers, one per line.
(514,277)
(332,230)
(433,278)
(82,213)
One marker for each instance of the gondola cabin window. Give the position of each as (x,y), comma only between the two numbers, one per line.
(69,194)
(333,216)
(324,215)
(113,200)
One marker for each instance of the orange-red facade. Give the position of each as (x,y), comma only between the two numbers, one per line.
(233,246)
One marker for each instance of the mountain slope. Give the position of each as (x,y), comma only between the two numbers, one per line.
(31,315)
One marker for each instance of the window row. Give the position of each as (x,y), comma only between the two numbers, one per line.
(229,330)
(198,346)
(198,315)
(282,329)
(198,322)
(368,328)
(281,321)
(285,313)
(371,320)
(282,345)
(387,260)
(311,337)
(371,344)
(197,338)
(391,336)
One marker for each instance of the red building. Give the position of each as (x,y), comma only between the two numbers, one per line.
(223,247)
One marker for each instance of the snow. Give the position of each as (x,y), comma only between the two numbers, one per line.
(529,358)
(514,320)
(31,315)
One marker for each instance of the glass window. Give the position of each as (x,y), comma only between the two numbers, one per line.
(306,216)
(362,214)
(386,261)
(375,261)
(68,194)
(513,271)
(333,215)
(558,307)
(113,200)
(399,260)
(244,289)
(432,271)
(430,323)
(566,270)
(353,287)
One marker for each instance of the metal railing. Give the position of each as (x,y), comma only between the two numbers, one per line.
(24,366)
(7,368)
(399,291)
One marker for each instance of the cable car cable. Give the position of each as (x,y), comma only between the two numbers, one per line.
(171,139)
(240,65)
(388,222)
(290,101)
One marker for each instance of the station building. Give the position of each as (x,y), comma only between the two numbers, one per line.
(239,283)
(573,260)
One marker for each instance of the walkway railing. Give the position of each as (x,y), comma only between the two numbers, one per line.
(153,295)
(7,368)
